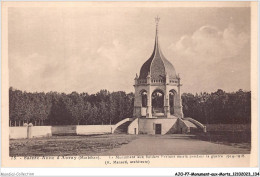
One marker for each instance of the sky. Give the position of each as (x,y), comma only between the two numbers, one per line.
(85,49)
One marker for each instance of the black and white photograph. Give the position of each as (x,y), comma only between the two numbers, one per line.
(136,79)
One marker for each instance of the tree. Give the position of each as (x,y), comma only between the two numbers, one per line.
(60,113)
(109,108)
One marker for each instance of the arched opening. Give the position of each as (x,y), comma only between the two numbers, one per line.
(143,94)
(144,98)
(172,95)
(158,103)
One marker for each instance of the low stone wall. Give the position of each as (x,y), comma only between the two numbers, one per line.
(40,131)
(46,131)
(94,129)
(64,130)
(17,132)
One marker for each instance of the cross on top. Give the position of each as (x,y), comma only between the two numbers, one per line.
(157,19)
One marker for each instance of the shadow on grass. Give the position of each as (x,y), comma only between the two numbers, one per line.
(240,139)
(67,145)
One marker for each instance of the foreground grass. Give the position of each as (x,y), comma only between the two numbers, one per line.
(102,144)
(240,139)
(68,145)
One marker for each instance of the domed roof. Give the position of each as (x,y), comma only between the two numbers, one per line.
(157,65)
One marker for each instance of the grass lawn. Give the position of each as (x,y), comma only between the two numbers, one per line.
(68,145)
(240,139)
(111,144)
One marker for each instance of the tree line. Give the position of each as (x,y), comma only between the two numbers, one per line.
(218,107)
(54,108)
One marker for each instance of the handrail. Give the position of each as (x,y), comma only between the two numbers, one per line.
(196,122)
(183,122)
(121,122)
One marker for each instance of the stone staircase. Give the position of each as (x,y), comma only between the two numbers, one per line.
(122,129)
(192,127)
(198,126)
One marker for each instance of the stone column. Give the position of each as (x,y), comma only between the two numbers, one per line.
(166,102)
(135,103)
(149,103)
(137,106)
(149,97)
(179,113)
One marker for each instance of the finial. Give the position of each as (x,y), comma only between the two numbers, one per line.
(157,19)
(178,76)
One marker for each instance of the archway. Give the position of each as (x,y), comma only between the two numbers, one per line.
(172,95)
(158,103)
(143,94)
(144,98)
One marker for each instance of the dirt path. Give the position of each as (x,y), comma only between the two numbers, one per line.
(172,145)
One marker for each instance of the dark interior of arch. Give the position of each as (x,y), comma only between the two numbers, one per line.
(158,101)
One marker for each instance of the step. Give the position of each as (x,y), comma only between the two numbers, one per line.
(122,129)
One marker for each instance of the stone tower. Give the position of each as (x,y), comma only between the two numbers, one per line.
(158,87)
